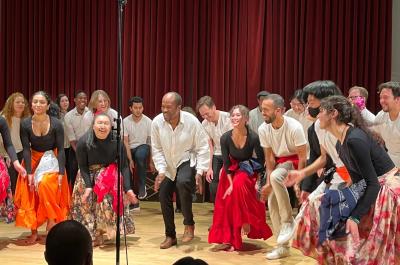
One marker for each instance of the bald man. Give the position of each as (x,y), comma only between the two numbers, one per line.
(181,155)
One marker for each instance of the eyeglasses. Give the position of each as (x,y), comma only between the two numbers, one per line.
(354,97)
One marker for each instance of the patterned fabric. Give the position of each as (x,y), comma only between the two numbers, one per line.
(336,207)
(4,179)
(97,216)
(379,231)
(7,209)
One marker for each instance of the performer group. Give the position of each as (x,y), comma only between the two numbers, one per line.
(328,156)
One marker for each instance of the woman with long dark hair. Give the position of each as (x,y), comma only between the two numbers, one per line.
(358,222)
(238,212)
(43,195)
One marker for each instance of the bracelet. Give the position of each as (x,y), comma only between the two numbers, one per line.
(355,220)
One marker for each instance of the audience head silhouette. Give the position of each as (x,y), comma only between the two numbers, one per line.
(190,261)
(69,242)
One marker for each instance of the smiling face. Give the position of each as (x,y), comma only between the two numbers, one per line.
(169,108)
(81,101)
(268,111)
(237,119)
(387,100)
(40,104)
(208,113)
(297,106)
(101,126)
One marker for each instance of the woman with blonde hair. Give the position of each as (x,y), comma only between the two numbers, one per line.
(15,109)
(99,103)
(43,195)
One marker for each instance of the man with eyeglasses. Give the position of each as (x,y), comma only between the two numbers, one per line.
(358,96)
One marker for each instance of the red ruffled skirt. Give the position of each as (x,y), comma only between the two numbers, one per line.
(240,207)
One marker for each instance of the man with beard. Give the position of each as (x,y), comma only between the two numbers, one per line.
(74,129)
(137,134)
(284,144)
(388,119)
(176,137)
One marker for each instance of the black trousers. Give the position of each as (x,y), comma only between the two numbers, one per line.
(71,167)
(216,167)
(13,173)
(185,184)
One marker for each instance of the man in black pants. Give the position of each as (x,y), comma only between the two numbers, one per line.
(179,143)
(74,129)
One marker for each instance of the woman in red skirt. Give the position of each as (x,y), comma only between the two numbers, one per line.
(238,211)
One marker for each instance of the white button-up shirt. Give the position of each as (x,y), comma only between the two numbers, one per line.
(215,131)
(171,148)
(75,127)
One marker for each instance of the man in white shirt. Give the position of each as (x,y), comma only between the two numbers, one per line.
(358,96)
(255,116)
(75,128)
(216,123)
(284,144)
(387,121)
(137,139)
(176,136)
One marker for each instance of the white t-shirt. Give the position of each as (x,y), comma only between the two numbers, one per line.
(368,116)
(284,140)
(306,123)
(138,132)
(390,132)
(215,131)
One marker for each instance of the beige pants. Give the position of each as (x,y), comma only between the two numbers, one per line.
(279,206)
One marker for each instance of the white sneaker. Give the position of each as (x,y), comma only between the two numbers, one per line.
(278,253)
(286,233)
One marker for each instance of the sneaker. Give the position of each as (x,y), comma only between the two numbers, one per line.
(286,233)
(178,210)
(278,253)
(142,193)
(134,207)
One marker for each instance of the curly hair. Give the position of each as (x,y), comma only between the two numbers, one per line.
(348,114)
(8,109)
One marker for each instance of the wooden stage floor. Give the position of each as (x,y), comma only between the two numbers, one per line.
(143,247)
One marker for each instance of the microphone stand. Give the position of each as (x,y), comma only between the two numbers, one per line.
(120,7)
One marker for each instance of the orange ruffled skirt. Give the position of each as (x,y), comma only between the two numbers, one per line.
(47,202)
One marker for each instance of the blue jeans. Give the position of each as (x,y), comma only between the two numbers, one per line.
(139,156)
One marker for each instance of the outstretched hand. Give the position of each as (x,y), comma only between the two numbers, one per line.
(293,177)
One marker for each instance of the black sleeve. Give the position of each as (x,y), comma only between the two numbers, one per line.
(24,134)
(309,183)
(225,152)
(358,150)
(8,145)
(59,135)
(259,150)
(125,169)
(82,158)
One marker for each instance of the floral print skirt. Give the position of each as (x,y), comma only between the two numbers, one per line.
(379,231)
(98,217)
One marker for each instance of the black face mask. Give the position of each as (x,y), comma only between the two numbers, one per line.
(313,112)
